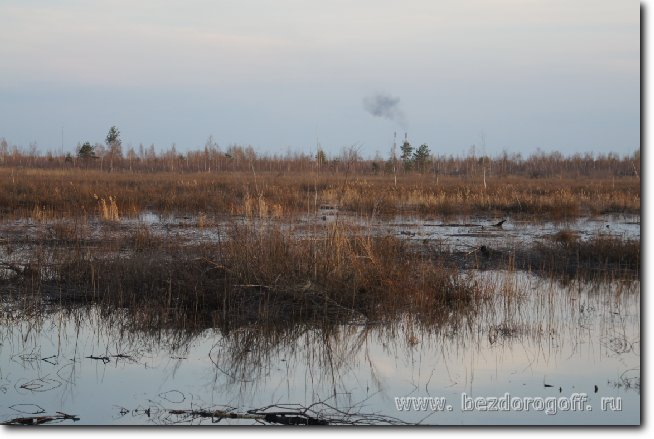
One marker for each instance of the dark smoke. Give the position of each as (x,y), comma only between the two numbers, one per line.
(385,106)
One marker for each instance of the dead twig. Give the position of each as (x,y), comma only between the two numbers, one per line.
(282,418)
(38,420)
(104,359)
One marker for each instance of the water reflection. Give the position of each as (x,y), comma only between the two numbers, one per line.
(535,338)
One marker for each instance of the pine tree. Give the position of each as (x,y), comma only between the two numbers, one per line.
(113,136)
(114,146)
(421,156)
(321,158)
(86,151)
(406,155)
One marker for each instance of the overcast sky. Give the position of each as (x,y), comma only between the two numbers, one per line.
(511,75)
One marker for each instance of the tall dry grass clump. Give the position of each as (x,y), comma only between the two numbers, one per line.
(107,211)
(373,276)
(201,220)
(40,213)
(262,275)
(258,207)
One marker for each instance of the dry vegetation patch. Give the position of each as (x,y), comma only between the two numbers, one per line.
(48,193)
(254,275)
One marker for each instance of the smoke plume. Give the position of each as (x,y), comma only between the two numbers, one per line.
(385,106)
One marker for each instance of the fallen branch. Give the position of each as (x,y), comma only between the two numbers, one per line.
(273,418)
(316,414)
(38,420)
(220,414)
(105,359)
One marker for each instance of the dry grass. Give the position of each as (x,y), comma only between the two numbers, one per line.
(260,275)
(72,192)
(565,256)
(603,257)
(107,211)
(565,237)
(266,274)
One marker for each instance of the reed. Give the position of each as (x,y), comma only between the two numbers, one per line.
(566,256)
(107,211)
(266,275)
(72,192)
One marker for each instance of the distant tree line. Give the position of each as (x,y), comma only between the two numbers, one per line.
(110,156)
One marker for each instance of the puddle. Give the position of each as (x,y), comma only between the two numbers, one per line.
(543,341)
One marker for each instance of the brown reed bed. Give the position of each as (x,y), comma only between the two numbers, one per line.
(602,256)
(564,256)
(265,275)
(256,275)
(59,193)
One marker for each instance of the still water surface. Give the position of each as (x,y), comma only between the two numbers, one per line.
(538,339)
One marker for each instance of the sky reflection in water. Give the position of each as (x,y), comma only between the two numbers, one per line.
(550,341)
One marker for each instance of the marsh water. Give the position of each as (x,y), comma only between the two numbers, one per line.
(549,352)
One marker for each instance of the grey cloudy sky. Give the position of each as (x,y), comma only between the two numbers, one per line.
(280,74)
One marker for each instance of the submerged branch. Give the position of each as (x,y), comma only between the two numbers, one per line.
(38,420)
(316,414)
